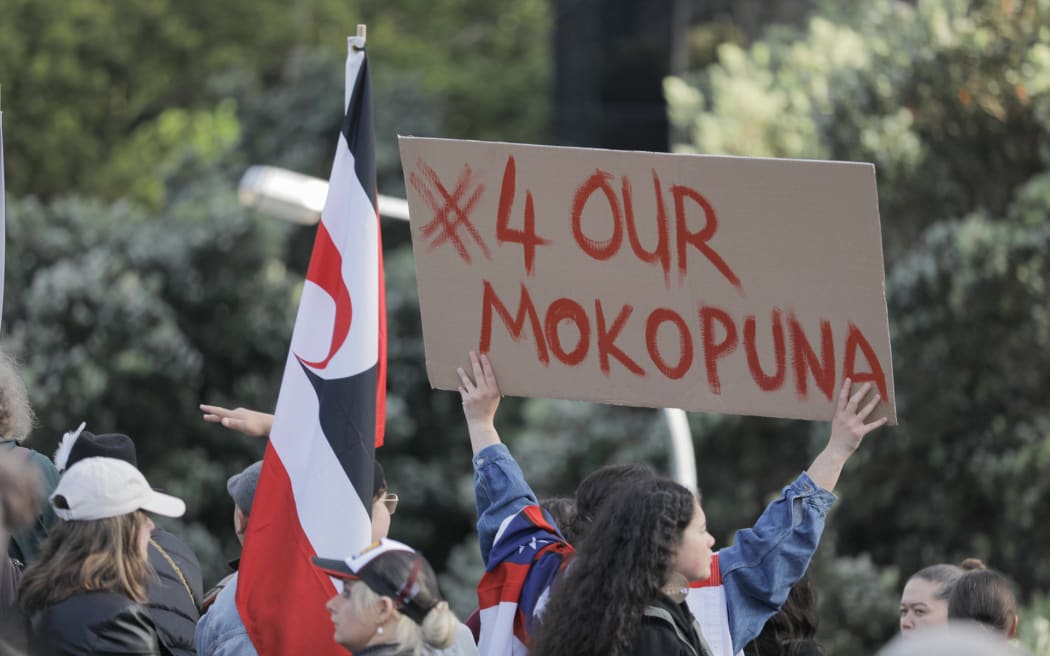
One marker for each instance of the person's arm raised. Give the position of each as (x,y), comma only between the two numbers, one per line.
(763,562)
(250,422)
(848,428)
(480,400)
(500,487)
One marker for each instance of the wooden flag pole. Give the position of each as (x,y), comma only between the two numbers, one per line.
(362,30)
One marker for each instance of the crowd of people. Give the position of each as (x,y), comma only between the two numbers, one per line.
(626,566)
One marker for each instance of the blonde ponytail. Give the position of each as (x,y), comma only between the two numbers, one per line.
(439,627)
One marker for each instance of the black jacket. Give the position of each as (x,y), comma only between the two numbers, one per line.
(104,623)
(12,620)
(174,600)
(669,629)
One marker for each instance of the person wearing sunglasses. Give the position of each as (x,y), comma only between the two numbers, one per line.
(220,631)
(384,504)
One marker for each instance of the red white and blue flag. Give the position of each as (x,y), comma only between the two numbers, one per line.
(315,490)
(526,558)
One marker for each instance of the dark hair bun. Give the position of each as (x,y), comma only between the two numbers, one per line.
(971,564)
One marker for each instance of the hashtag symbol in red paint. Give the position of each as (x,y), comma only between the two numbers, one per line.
(451,211)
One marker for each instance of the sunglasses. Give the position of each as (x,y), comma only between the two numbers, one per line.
(390,501)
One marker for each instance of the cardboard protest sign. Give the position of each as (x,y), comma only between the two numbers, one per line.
(726,284)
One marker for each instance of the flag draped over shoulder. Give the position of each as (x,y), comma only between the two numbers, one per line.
(315,490)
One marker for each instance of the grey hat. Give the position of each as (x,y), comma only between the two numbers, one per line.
(242,486)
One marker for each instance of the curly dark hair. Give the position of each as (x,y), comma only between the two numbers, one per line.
(593,491)
(563,511)
(597,606)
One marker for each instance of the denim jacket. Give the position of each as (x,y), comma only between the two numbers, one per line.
(220,631)
(757,571)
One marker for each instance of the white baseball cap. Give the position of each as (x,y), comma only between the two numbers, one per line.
(97,488)
(355,567)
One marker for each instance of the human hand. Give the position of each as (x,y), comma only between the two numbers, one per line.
(480,397)
(848,425)
(243,420)
(848,429)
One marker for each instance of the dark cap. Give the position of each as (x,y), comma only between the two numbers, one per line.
(390,569)
(80,444)
(242,486)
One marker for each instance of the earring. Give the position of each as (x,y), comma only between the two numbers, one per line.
(379,630)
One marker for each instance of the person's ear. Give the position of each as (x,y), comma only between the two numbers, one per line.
(385,609)
(240,522)
(1012,633)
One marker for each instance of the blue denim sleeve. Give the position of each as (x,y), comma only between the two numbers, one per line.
(234,643)
(220,631)
(768,558)
(501,492)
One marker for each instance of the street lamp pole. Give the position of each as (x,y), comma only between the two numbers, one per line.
(298,198)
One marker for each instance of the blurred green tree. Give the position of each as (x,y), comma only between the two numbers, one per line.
(124,320)
(951,100)
(136,287)
(84,78)
(100,98)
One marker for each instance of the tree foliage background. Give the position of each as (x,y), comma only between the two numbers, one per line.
(137,287)
(951,101)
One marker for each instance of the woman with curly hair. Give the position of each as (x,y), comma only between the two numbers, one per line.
(526,552)
(623,594)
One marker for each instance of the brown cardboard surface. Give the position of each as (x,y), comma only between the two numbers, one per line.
(724,284)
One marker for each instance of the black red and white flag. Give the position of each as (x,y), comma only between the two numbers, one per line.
(315,489)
